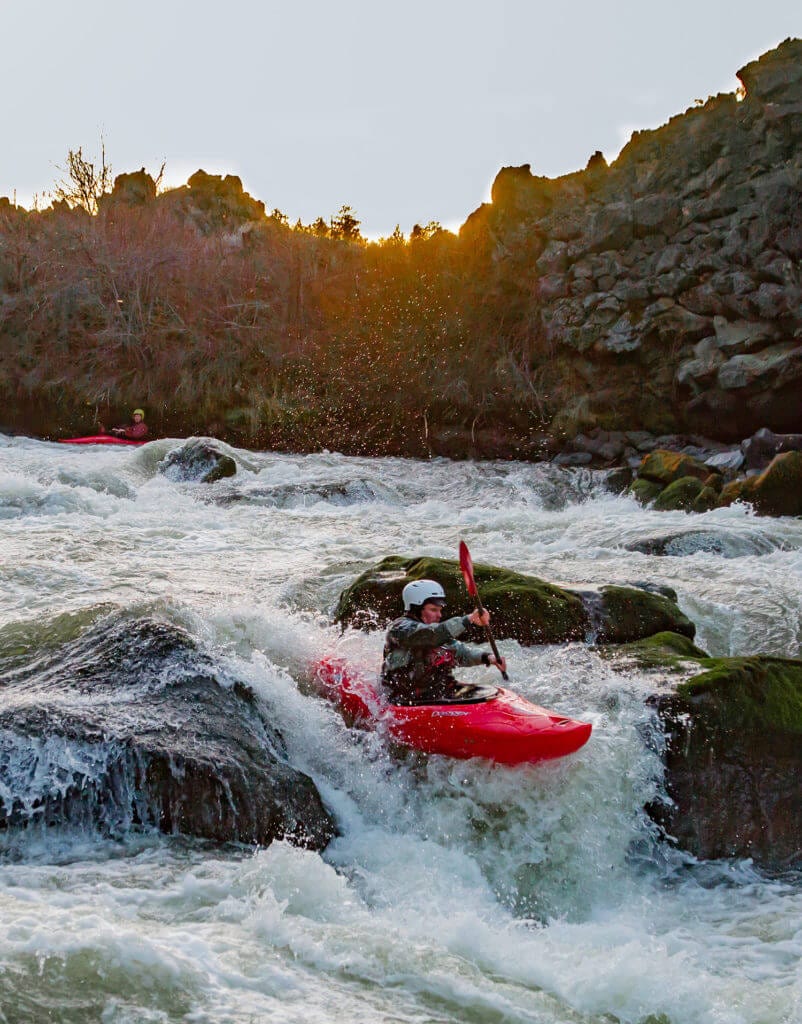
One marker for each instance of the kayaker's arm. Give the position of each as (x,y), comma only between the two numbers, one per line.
(413,634)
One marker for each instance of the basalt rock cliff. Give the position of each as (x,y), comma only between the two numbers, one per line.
(665,290)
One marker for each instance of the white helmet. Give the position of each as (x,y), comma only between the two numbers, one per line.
(420,591)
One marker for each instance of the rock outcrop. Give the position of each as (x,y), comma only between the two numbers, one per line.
(129,726)
(525,608)
(668,285)
(199,459)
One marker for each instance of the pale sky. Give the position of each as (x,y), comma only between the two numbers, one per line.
(406,111)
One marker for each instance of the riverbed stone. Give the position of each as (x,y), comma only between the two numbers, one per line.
(130,726)
(199,459)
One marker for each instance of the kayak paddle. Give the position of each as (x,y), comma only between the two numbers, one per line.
(466,564)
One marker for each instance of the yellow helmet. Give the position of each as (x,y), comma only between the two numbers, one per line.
(139,412)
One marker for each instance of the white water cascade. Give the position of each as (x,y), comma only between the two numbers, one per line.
(454,891)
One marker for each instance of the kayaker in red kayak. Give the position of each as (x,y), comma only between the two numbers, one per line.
(135,431)
(421,652)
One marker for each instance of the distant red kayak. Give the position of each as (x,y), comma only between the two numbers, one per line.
(505,728)
(100,439)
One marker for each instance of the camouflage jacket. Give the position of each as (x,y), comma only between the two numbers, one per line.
(417,656)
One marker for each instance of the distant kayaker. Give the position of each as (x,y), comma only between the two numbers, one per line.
(135,431)
(421,652)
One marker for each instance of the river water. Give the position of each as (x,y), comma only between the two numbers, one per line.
(455,891)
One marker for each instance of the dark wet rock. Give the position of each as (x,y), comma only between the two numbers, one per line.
(200,459)
(524,608)
(715,542)
(762,446)
(352,492)
(573,459)
(129,725)
(731,748)
(617,481)
(733,757)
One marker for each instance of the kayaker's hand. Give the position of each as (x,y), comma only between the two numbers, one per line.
(502,662)
(476,619)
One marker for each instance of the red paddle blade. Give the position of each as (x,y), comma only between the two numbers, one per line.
(466,564)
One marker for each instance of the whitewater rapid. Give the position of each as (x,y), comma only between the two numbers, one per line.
(454,891)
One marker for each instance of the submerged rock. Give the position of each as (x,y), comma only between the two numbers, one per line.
(200,459)
(715,542)
(129,725)
(525,608)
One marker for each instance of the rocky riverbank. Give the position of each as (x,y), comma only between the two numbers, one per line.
(659,295)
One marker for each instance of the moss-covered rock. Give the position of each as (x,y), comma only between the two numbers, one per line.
(733,759)
(679,495)
(715,481)
(665,467)
(738,490)
(666,651)
(778,490)
(524,608)
(705,500)
(645,491)
(630,613)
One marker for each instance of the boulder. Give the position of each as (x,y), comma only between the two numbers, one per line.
(645,491)
(525,608)
(628,614)
(680,494)
(200,459)
(130,726)
(778,490)
(782,361)
(719,542)
(664,467)
(762,446)
(733,760)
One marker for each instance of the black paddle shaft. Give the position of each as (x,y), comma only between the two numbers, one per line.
(491,640)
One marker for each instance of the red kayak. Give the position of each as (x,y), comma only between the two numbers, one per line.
(99,439)
(504,727)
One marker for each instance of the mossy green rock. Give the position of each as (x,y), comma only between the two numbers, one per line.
(778,490)
(665,467)
(629,614)
(666,651)
(524,608)
(645,491)
(679,495)
(705,500)
(733,757)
